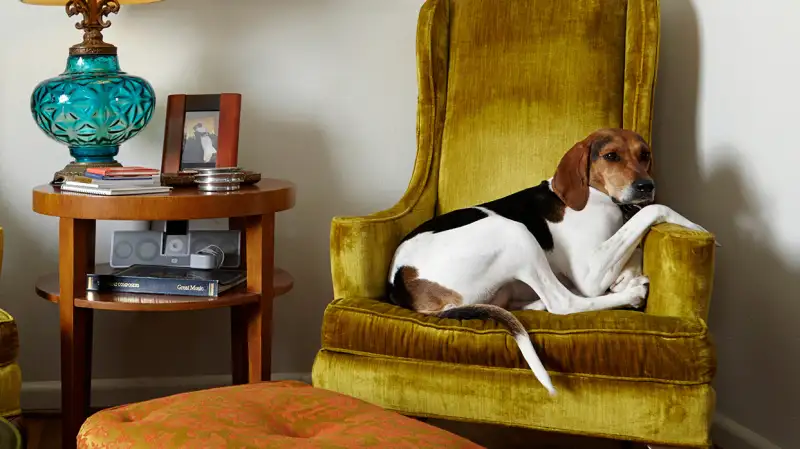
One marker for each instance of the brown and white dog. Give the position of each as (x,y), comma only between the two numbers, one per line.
(474,262)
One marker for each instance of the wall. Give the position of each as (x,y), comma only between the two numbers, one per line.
(329,102)
(726,152)
(329,98)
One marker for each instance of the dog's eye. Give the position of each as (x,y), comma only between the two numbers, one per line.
(645,156)
(613,157)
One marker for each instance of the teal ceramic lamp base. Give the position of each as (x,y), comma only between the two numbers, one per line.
(93,107)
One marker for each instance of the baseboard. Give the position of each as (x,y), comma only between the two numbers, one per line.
(729,434)
(39,396)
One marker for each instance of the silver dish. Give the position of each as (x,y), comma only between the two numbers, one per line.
(217,171)
(217,187)
(214,179)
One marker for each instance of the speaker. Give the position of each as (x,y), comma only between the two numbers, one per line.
(158,248)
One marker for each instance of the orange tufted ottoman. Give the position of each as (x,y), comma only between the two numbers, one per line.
(266,415)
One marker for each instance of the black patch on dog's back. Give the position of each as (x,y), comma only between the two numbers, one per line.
(533,207)
(445,222)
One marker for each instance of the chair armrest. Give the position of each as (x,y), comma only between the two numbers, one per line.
(680,265)
(362,247)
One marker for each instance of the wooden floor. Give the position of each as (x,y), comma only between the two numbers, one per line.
(44,432)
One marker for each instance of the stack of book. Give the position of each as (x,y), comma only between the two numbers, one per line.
(160,280)
(112,181)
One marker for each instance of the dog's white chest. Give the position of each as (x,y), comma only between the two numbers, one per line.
(581,232)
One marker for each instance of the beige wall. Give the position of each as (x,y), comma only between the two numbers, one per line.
(329,102)
(726,152)
(329,97)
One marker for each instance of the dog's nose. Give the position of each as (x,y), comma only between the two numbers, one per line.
(644,186)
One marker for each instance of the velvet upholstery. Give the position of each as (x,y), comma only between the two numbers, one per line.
(10,374)
(505,89)
(274,415)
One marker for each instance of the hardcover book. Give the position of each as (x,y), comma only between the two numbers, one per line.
(159,280)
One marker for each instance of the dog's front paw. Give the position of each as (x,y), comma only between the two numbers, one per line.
(638,289)
(625,278)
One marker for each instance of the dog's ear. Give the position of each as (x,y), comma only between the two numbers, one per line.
(571,181)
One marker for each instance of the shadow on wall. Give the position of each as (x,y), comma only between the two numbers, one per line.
(754,306)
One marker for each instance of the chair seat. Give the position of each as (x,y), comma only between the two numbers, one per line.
(619,344)
(285,414)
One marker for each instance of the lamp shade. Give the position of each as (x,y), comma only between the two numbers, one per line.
(64,2)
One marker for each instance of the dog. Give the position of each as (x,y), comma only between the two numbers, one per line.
(561,246)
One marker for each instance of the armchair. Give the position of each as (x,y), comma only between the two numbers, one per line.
(505,88)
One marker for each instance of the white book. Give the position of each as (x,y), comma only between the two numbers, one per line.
(153,181)
(115,191)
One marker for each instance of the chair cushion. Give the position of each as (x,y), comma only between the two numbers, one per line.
(286,414)
(618,343)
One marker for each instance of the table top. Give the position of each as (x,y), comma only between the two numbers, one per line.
(183,203)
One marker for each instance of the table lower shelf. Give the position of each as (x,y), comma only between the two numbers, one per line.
(47,287)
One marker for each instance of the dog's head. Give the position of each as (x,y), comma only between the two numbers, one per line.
(617,162)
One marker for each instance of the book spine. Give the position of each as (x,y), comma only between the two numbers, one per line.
(151,286)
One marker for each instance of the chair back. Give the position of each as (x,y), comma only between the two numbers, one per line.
(526,79)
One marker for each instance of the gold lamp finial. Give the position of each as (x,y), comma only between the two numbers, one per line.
(94,21)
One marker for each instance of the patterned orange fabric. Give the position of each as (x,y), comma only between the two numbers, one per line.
(267,415)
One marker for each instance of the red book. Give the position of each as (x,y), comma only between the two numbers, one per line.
(122,171)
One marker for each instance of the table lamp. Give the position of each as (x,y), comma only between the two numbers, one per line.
(93,106)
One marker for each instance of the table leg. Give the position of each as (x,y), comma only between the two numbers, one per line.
(252,332)
(238,318)
(239,365)
(76,258)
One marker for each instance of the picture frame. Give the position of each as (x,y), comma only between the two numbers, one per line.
(202,131)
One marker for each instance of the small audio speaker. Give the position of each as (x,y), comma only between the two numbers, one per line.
(158,248)
(135,248)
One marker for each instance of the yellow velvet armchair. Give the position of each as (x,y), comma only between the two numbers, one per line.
(505,89)
(10,374)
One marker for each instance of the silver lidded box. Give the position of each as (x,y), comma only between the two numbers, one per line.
(222,179)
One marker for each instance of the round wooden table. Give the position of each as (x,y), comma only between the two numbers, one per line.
(251,209)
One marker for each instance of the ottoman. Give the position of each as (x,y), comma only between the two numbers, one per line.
(285,414)
(10,375)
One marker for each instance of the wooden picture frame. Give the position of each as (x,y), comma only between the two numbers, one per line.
(201,131)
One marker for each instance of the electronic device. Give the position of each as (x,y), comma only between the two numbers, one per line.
(193,249)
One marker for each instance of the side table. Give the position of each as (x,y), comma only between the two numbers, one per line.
(251,209)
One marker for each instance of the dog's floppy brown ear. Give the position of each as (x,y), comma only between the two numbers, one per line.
(571,181)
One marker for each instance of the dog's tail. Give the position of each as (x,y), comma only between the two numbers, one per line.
(486,311)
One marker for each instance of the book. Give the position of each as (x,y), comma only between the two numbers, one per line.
(122,171)
(115,191)
(114,178)
(84,181)
(160,280)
